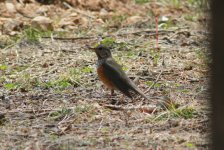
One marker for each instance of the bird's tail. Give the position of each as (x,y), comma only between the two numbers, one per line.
(139,92)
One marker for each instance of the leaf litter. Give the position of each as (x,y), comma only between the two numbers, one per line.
(51,97)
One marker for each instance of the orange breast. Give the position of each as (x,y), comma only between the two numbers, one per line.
(103,78)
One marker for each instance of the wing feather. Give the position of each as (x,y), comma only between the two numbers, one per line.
(114,72)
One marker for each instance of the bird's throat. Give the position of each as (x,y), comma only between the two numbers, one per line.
(100,62)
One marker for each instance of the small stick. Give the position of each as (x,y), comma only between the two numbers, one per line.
(148,90)
(147,109)
(157,35)
(152,33)
(72,38)
(32,111)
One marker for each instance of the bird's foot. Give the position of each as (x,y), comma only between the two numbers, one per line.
(117,102)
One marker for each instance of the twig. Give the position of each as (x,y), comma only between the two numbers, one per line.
(9,46)
(157,35)
(78,11)
(148,90)
(144,109)
(137,33)
(151,33)
(114,107)
(28,111)
(18,135)
(92,37)
(72,38)
(33,111)
(166,112)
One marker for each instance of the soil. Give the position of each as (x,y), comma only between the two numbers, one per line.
(50,94)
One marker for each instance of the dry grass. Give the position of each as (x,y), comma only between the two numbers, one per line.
(52,98)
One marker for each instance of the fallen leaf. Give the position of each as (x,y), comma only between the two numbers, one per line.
(42,23)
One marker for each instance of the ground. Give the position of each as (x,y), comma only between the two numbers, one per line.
(51,97)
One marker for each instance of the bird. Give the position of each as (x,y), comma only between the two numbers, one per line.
(112,75)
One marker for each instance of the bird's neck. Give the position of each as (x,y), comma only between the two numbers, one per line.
(100,61)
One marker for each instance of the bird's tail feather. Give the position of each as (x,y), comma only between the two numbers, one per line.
(140,92)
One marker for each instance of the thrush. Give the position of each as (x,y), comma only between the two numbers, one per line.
(112,75)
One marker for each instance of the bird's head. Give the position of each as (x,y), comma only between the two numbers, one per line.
(102,51)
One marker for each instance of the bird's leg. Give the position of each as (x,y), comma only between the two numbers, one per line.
(121,101)
(111,92)
(111,96)
(122,98)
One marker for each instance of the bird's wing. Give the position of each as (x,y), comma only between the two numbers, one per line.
(114,72)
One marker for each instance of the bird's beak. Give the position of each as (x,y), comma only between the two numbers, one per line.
(91,48)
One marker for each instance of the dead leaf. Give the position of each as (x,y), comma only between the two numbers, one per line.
(12,25)
(73,20)
(42,23)
(133,19)
(148,110)
(10,7)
